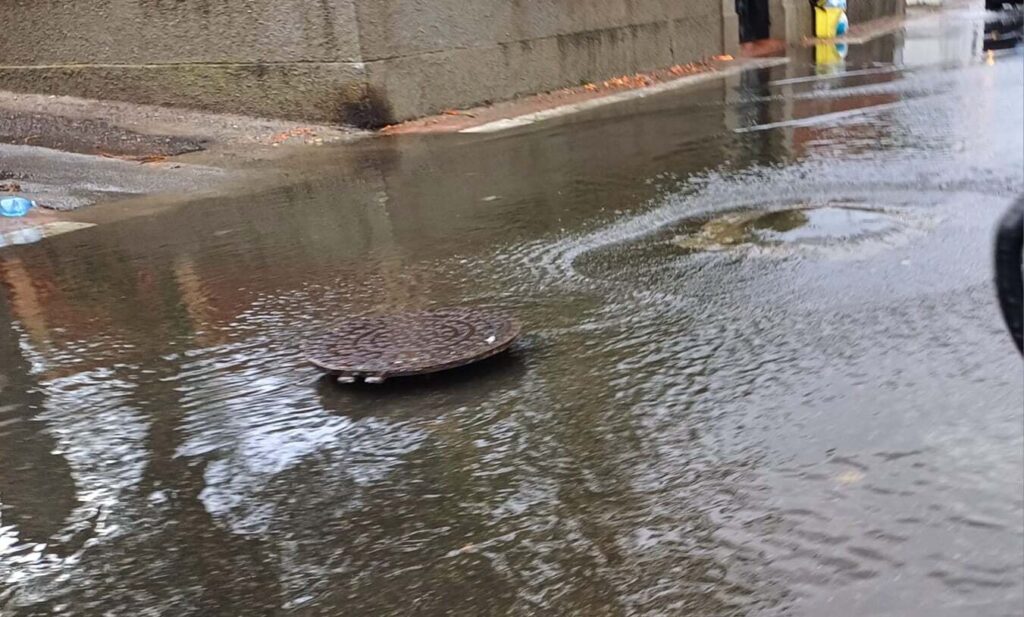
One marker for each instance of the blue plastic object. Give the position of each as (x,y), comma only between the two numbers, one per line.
(843,26)
(15,206)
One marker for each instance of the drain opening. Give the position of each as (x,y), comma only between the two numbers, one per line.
(815,225)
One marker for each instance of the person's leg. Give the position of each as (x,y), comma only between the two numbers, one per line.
(761,19)
(741,14)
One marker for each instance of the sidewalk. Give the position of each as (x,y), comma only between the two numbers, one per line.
(66,153)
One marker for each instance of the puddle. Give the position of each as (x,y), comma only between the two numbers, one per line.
(805,225)
(87,136)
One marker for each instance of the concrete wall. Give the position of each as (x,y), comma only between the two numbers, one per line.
(178,31)
(793,20)
(285,58)
(860,11)
(357,61)
(423,54)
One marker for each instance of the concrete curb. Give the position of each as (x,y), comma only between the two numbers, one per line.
(515,122)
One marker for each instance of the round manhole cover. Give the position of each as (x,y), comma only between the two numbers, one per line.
(378,347)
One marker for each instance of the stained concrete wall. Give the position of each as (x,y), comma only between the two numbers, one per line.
(178,31)
(793,20)
(284,58)
(356,61)
(860,11)
(422,54)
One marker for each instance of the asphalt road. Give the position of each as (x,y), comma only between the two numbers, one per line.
(763,369)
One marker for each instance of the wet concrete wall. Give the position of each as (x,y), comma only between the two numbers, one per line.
(792,20)
(178,31)
(363,62)
(422,54)
(860,11)
(284,58)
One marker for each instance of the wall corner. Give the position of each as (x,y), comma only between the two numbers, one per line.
(730,28)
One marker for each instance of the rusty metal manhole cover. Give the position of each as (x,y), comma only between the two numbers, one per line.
(378,347)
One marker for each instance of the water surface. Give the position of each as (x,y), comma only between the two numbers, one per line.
(819,421)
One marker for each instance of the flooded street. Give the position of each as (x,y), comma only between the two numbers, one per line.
(762,372)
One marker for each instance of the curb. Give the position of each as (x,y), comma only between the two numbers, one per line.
(505,124)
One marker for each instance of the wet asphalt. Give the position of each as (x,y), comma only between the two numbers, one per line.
(762,372)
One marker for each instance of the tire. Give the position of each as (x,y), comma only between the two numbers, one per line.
(1009,259)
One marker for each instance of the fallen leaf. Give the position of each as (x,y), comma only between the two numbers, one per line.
(302,131)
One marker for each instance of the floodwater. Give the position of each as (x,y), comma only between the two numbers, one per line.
(820,415)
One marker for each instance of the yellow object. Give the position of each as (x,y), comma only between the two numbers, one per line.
(826,22)
(827,53)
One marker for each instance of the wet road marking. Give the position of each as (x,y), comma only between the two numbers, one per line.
(811,78)
(30,235)
(812,120)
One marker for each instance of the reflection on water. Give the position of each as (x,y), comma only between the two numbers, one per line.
(678,433)
(29,456)
(828,224)
(423,394)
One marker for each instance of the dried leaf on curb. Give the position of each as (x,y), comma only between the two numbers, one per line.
(283,136)
(142,160)
(684,69)
(10,187)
